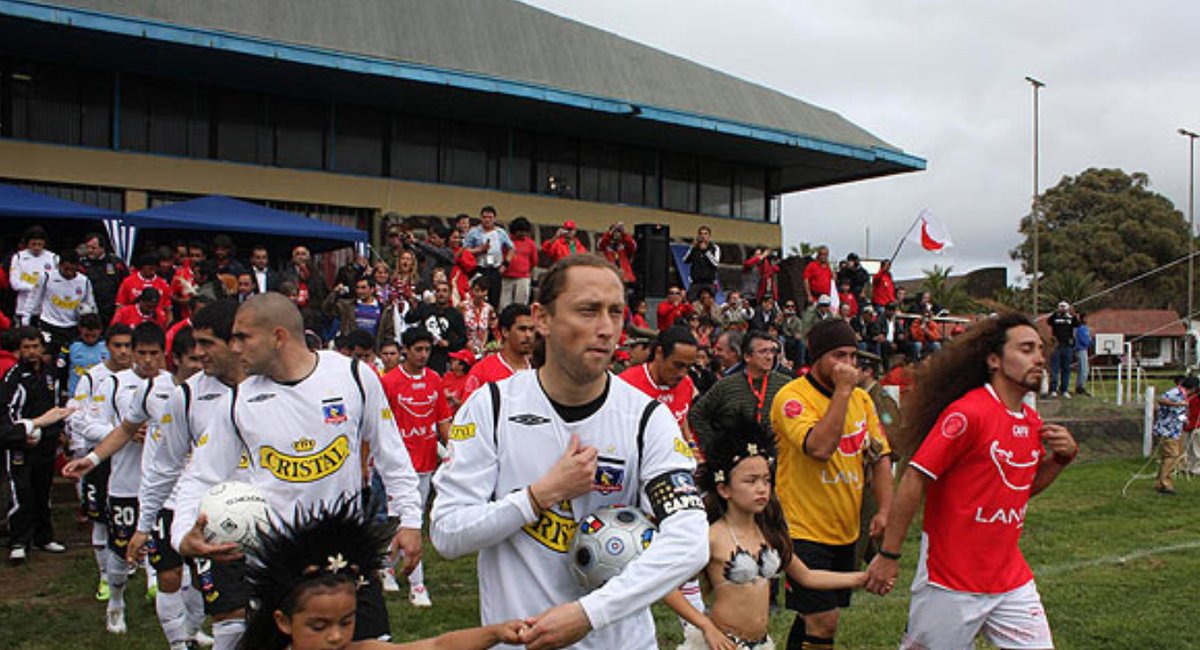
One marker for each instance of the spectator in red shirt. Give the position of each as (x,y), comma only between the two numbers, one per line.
(147,277)
(673,307)
(516,348)
(564,244)
(145,309)
(883,288)
(455,380)
(619,247)
(460,273)
(519,262)
(818,276)
(764,261)
(847,297)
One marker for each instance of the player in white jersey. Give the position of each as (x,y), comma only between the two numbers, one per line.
(87,400)
(28,272)
(62,299)
(192,407)
(537,452)
(302,417)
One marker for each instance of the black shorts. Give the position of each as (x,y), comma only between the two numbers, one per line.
(371,618)
(222,585)
(94,494)
(159,550)
(820,556)
(122,522)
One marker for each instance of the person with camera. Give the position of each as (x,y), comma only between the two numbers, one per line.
(619,247)
(564,244)
(702,258)
(764,264)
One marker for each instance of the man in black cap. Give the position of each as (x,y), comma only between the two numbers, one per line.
(856,275)
(828,436)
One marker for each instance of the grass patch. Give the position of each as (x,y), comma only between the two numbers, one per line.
(1114,573)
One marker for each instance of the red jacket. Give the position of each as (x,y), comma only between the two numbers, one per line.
(767,282)
(134,284)
(131,316)
(667,313)
(559,247)
(620,252)
(883,290)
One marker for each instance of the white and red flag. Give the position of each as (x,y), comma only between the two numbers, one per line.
(930,233)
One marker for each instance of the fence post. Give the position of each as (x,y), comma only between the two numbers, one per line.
(1148,422)
(1120,388)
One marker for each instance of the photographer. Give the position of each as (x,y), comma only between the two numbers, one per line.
(565,243)
(702,258)
(619,247)
(765,265)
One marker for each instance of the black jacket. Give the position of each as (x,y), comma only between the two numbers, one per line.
(26,393)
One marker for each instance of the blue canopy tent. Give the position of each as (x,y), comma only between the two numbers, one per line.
(23,204)
(224,214)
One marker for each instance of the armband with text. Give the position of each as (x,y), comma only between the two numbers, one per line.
(672,492)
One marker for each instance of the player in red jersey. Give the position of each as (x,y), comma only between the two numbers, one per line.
(665,376)
(422,415)
(516,333)
(981,453)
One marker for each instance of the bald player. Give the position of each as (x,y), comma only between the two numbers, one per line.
(302,418)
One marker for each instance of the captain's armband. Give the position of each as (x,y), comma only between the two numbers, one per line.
(672,492)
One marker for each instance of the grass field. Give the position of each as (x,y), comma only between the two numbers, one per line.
(1114,573)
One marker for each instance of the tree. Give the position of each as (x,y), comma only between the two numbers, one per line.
(943,292)
(803,249)
(1107,223)
(1070,285)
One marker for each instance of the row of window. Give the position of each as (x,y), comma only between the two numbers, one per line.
(51,103)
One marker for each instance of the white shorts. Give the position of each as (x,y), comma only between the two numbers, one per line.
(693,639)
(940,619)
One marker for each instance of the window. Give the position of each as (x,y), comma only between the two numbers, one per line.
(358,140)
(639,183)
(162,116)
(679,183)
(300,126)
(470,155)
(517,164)
(716,188)
(751,195)
(242,132)
(415,149)
(61,105)
(599,172)
(557,165)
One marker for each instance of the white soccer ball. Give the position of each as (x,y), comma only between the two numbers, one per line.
(235,511)
(606,541)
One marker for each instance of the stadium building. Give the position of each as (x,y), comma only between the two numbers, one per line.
(350,111)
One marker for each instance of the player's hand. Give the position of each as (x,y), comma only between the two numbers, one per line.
(877,526)
(881,575)
(717,640)
(77,468)
(507,632)
(408,543)
(557,627)
(53,416)
(193,545)
(570,477)
(139,436)
(137,547)
(1059,441)
(845,376)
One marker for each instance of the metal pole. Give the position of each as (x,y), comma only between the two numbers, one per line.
(1187,341)
(1037,221)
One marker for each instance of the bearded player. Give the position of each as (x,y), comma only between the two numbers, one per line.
(981,453)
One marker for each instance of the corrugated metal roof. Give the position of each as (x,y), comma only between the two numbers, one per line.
(504,39)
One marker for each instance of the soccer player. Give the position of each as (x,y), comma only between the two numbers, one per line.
(66,296)
(423,417)
(88,397)
(27,273)
(516,335)
(539,451)
(981,453)
(829,437)
(301,418)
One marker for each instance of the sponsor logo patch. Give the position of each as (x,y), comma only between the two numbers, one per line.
(793,408)
(529,419)
(261,397)
(462,431)
(553,530)
(683,448)
(953,425)
(305,469)
(257,398)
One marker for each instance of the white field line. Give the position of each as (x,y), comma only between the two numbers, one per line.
(1136,554)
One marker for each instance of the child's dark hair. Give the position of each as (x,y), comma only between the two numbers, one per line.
(327,547)
(722,453)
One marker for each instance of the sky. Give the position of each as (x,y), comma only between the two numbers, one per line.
(945,81)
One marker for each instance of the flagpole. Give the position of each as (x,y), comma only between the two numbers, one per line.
(904,237)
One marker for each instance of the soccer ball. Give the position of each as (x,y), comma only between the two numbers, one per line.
(235,511)
(606,541)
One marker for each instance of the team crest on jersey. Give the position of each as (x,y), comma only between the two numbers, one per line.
(610,475)
(953,425)
(307,468)
(529,419)
(554,530)
(334,410)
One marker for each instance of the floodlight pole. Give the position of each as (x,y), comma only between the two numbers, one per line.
(1037,221)
(1187,340)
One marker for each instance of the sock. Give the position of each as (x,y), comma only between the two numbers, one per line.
(797,635)
(151,574)
(116,594)
(193,601)
(227,634)
(817,643)
(417,577)
(99,544)
(118,576)
(173,616)
(98,552)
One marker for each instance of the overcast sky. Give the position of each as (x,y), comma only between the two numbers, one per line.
(946,81)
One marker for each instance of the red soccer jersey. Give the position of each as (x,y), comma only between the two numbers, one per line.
(678,399)
(134,284)
(982,459)
(819,278)
(492,368)
(452,390)
(418,405)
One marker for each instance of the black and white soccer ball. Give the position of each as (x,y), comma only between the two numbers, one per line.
(235,512)
(606,541)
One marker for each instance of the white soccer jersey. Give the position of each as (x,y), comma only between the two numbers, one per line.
(304,442)
(27,275)
(191,410)
(138,401)
(87,395)
(482,505)
(62,301)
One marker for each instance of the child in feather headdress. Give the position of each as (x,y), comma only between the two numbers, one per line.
(748,545)
(305,577)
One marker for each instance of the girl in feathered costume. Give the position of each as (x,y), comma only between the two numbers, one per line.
(748,545)
(305,577)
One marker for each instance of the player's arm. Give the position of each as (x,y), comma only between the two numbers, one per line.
(680,549)
(476,638)
(882,480)
(1063,449)
(394,467)
(214,459)
(881,574)
(130,427)
(163,461)
(822,441)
